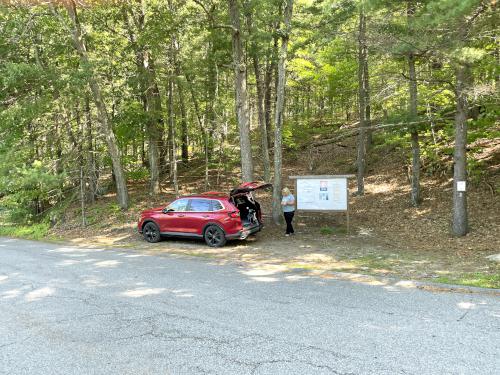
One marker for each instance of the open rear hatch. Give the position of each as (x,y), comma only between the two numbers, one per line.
(247,187)
(250,212)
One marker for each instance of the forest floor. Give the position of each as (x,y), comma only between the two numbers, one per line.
(388,237)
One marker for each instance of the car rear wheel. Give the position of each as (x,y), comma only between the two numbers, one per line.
(214,236)
(151,232)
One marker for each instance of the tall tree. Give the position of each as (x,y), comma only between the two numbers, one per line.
(106,129)
(259,82)
(413,104)
(280,103)
(240,72)
(363,100)
(460,217)
(148,89)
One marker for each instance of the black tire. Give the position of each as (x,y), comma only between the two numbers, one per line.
(214,236)
(151,232)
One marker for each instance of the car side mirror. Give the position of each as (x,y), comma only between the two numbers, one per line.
(166,209)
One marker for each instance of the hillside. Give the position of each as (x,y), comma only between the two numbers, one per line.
(387,236)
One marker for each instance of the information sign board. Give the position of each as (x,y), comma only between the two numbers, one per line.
(322,194)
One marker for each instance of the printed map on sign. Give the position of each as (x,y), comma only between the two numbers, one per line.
(322,194)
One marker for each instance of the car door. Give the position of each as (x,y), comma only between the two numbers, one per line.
(200,213)
(173,217)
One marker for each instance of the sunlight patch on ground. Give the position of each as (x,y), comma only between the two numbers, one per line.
(466,305)
(13,293)
(68,262)
(265,270)
(365,231)
(142,292)
(264,279)
(296,277)
(93,282)
(107,263)
(75,250)
(406,284)
(39,293)
(74,255)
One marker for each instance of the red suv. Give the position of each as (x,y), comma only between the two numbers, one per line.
(216,217)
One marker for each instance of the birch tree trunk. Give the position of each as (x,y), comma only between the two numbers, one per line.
(102,113)
(278,118)
(241,93)
(460,219)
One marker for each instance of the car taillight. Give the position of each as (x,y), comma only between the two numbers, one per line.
(234,214)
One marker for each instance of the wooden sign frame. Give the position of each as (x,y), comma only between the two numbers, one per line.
(326,177)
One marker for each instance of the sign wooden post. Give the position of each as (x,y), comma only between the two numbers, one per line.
(323,193)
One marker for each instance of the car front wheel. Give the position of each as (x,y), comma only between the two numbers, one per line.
(151,232)
(214,236)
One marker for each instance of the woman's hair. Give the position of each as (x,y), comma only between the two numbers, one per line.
(286,191)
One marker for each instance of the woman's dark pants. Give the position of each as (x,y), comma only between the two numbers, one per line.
(288,219)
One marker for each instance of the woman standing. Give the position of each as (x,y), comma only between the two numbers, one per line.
(288,205)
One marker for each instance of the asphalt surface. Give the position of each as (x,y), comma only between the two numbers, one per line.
(66,310)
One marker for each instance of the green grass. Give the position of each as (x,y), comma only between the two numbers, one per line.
(326,231)
(478,279)
(304,266)
(31,232)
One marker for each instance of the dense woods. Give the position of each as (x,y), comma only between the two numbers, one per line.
(96,95)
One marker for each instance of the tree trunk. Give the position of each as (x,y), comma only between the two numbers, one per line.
(153,124)
(278,118)
(415,146)
(201,124)
(184,127)
(211,93)
(106,129)
(182,104)
(241,93)
(460,220)
(362,81)
(262,120)
(171,131)
(366,91)
(149,94)
(268,79)
(90,167)
(260,105)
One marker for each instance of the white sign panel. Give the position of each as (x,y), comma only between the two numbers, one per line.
(322,194)
(460,185)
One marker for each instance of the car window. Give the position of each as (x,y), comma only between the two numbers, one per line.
(200,205)
(178,205)
(216,206)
